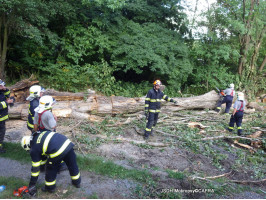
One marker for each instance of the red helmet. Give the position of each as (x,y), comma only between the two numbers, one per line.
(157,82)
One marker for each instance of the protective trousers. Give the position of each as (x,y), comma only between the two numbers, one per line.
(2,131)
(52,168)
(237,118)
(152,121)
(228,101)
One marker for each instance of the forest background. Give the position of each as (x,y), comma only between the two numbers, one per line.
(119,47)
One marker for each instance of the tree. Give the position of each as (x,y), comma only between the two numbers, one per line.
(28,19)
(239,26)
(37,22)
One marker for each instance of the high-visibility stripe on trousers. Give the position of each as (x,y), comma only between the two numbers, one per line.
(152,121)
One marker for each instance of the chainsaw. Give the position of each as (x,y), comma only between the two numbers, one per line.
(25,191)
(21,191)
(221,92)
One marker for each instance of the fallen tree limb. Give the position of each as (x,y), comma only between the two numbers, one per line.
(246,181)
(210,177)
(252,150)
(167,134)
(224,137)
(154,144)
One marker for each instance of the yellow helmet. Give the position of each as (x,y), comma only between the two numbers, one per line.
(157,82)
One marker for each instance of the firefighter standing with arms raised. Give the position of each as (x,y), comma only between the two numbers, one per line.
(153,106)
(229,94)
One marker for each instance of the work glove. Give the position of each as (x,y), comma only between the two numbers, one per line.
(146,114)
(175,102)
(32,190)
(232,116)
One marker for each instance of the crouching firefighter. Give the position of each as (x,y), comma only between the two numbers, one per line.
(238,113)
(229,94)
(153,106)
(57,148)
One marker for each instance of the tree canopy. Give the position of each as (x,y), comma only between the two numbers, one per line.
(120,47)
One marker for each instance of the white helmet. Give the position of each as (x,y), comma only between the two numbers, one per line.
(232,85)
(25,142)
(46,103)
(35,91)
(240,96)
(2,83)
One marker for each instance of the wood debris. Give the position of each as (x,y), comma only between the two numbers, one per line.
(196,125)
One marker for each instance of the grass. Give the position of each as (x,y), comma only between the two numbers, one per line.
(11,184)
(15,152)
(90,163)
(100,166)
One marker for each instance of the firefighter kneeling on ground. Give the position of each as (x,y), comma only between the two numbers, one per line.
(238,113)
(228,99)
(58,148)
(153,106)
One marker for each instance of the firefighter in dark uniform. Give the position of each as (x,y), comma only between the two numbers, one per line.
(238,113)
(153,106)
(36,92)
(4,101)
(58,148)
(228,99)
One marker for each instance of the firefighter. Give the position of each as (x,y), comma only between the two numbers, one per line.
(229,94)
(238,113)
(36,92)
(153,106)
(58,148)
(4,101)
(45,120)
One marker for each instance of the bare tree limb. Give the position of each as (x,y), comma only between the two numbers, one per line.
(225,137)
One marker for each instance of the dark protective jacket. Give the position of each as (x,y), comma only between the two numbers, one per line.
(153,100)
(4,94)
(33,104)
(47,143)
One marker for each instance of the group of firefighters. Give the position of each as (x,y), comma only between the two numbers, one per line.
(52,152)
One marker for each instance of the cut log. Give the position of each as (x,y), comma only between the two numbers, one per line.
(65,96)
(21,89)
(205,101)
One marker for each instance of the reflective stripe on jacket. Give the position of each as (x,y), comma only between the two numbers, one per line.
(4,94)
(33,104)
(153,100)
(49,143)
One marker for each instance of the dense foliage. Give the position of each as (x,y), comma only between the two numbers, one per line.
(120,47)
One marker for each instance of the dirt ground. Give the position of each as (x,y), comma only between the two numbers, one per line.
(130,156)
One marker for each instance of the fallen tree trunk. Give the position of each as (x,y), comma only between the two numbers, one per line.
(92,106)
(96,106)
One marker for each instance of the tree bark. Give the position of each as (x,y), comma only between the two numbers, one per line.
(3,48)
(96,106)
